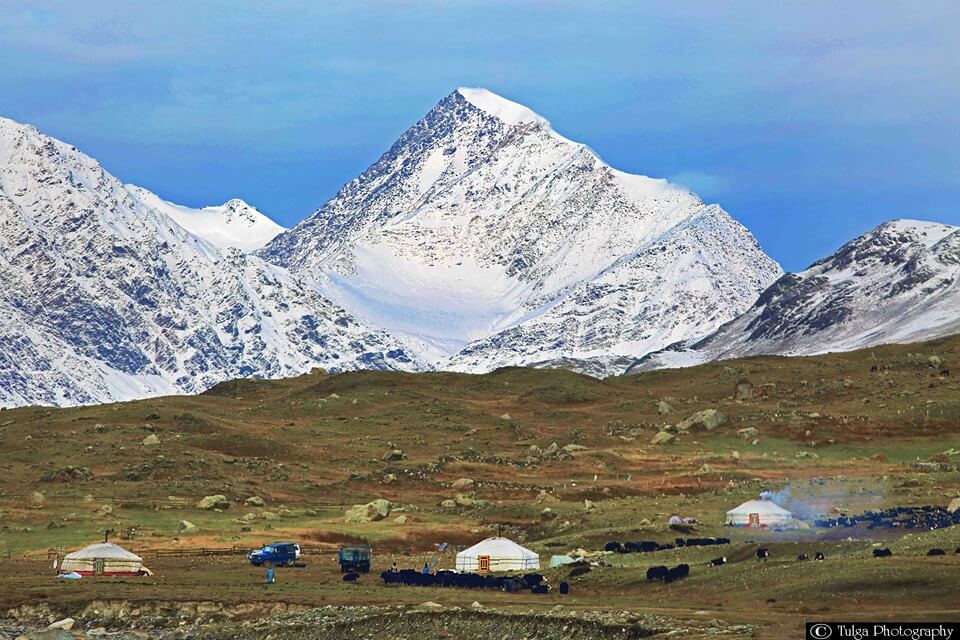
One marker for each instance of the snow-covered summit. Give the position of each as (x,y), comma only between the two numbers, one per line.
(480,218)
(234,224)
(507,111)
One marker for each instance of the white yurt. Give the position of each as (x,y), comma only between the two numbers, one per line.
(497,554)
(760,513)
(102,559)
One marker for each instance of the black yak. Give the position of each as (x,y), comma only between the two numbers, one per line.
(564,588)
(882,553)
(936,552)
(351,577)
(679,571)
(657,573)
(613,546)
(716,562)
(802,556)
(819,556)
(763,554)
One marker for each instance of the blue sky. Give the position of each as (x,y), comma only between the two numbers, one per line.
(810,122)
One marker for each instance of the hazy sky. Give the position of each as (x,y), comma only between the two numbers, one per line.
(810,122)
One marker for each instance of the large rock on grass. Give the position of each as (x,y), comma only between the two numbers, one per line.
(706,420)
(663,438)
(209,503)
(371,512)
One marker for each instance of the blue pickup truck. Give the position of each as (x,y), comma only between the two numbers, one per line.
(282,554)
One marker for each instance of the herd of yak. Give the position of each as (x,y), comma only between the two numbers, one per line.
(532,582)
(908,517)
(927,517)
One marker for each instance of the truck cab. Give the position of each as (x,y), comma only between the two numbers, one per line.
(354,557)
(277,553)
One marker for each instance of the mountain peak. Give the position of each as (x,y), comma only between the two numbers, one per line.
(507,111)
(233,224)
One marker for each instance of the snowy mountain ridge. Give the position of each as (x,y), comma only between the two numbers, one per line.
(899,282)
(104,297)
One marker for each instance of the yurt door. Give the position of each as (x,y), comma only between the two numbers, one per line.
(754,519)
(483,564)
(98,566)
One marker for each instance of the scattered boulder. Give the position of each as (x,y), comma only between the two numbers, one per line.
(744,390)
(706,468)
(269,516)
(574,448)
(150,441)
(463,501)
(935,361)
(748,434)
(663,408)
(66,624)
(548,514)
(371,512)
(255,501)
(663,438)
(954,505)
(209,503)
(543,496)
(588,505)
(69,473)
(185,527)
(939,458)
(462,483)
(105,510)
(37,499)
(706,420)
(400,520)
(448,504)
(390,478)
(394,455)
(506,416)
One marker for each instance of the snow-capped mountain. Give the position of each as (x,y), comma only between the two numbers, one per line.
(105,297)
(899,282)
(234,224)
(485,238)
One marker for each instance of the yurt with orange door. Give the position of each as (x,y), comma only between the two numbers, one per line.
(497,554)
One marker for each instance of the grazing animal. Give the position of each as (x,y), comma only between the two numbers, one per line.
(802,556)
(531,579)
(613,546)
(540,588)
(936,552)
(657,573)
(716,562)
(958,550)
(564,588)
(763,554)
(351,577)
(819,556)
(945,373)
(579,571)
(882,553)
(679,571)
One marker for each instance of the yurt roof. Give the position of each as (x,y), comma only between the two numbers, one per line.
(498,548)
(103,550)
(760,506)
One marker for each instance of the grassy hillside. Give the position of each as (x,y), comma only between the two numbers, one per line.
(868,429)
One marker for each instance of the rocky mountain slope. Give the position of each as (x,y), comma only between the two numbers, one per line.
(896,283)
(485,238)
(105,297)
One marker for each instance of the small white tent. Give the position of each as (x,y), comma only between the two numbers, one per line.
(497,554)
(760,513)
(102,559)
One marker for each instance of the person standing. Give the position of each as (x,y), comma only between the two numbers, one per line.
(271,577)
(426,569)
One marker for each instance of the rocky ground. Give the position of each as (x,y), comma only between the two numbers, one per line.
(428,620)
